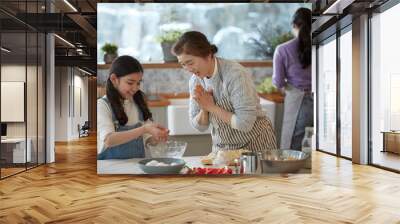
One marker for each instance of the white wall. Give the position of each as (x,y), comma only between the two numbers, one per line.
(314,90)
(61,103)
(13,73)
(69,85)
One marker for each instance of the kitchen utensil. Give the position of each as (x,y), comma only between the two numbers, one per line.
(282,161)
(169,149)
(248,162)
(171,169)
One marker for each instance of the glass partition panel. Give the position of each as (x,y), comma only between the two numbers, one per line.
(346,94)
(41,78)
(327,97)
(13,86)
(385,89)
(31,98)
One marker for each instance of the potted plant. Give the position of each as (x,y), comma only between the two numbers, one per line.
(110,52)
(167,40)
(269,36)
(268,91)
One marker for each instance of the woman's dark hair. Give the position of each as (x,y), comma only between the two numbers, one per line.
(194,43)
(302,19)
(122,66)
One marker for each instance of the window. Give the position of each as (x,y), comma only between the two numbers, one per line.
(238,29)
(385,84)
(327,96)
(22,69)
(346,94)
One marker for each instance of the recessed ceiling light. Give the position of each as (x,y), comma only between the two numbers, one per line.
(338,6)
(64,40)
(86,72)
(5,49)
(70,5)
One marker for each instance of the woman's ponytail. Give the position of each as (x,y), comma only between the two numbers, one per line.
(302,20)
(115,100)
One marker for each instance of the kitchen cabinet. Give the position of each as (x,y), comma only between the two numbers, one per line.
(391,142)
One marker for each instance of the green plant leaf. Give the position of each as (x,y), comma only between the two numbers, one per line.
(266,86)
(169,36)
(109,48)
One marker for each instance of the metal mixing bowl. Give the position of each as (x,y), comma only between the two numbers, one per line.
(282,161)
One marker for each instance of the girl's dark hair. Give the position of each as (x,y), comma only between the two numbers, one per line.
(122,66)
(194,43)
(302,19)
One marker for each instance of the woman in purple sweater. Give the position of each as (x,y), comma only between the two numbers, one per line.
(292,73)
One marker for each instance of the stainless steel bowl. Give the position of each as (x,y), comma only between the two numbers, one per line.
(282,161)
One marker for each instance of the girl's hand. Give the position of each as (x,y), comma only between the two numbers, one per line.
(158,132)
(205,100)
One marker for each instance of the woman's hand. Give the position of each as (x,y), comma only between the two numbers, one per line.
(158,132)
(204,98)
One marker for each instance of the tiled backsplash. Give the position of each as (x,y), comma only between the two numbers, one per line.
(175,80)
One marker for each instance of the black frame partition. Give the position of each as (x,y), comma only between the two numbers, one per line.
(34,60)
(381,9)
(328,39)
(340,33)
(332,33)
(341,26)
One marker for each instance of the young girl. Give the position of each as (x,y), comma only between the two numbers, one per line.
(123,118)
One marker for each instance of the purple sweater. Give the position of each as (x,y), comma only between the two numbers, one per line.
(288,69)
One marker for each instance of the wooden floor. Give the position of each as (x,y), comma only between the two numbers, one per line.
(10,171)
(386,159)
(70,191)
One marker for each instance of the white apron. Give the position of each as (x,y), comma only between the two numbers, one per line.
(291,107)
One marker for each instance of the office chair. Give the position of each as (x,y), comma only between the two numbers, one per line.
(84,130)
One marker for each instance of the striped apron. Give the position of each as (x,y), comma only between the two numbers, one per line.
(260,138)
(292,104)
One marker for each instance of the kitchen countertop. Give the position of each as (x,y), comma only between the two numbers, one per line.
(163,101)
(158,103)
(131,166)
(276,97)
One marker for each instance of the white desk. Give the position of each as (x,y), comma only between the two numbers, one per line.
(19,149)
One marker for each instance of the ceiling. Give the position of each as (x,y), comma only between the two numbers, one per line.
(331,15)
(75,21)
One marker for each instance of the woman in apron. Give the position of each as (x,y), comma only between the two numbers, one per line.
(292,73)
(223,97)
(123,118)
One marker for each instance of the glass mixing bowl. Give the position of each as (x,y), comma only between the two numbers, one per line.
(169,149)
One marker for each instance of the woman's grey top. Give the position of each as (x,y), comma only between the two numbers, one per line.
(235,82)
